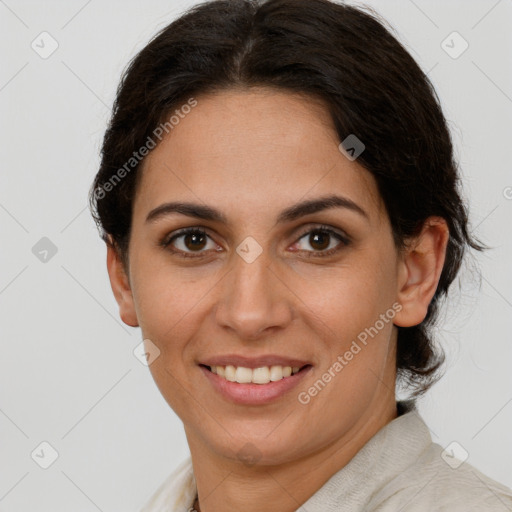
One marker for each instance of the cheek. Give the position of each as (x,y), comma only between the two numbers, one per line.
(162,298)
(172,304)
(348,298)
(169,303)
(358,344)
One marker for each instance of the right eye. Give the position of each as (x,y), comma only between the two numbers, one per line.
(188,241)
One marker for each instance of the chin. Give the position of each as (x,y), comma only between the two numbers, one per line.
(258,451)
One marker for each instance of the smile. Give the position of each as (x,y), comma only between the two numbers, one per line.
(253,386)
(262,375)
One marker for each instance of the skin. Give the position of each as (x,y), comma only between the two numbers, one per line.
(251,154)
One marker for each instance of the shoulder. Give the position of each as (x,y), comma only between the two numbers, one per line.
(438,481)
(177,492)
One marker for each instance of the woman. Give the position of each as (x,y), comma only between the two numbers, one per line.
(280,203)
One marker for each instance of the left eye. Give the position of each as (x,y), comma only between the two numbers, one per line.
(322,241)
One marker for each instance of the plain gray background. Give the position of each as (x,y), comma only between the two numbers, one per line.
(68,374)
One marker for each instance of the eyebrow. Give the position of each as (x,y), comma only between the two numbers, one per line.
(289,214)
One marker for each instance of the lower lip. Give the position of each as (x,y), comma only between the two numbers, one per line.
(254,394)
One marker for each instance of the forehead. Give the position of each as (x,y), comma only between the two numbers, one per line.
(252,150)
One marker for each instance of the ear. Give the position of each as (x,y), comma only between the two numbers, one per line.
(419,271)
(121,287)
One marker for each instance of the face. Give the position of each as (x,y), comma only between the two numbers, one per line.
(261,281)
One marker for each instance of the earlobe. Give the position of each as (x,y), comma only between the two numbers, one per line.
(419,271)
(121,287)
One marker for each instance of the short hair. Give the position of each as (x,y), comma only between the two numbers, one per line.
(338,53)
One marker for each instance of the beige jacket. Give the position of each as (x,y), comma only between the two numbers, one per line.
(398,469)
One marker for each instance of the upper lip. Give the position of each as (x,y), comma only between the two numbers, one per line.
(254,362)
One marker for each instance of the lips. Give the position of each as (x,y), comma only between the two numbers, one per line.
(254,362)
(254,394)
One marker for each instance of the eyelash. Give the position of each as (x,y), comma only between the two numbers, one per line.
(345,241)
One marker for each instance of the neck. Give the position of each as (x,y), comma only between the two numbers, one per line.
(225,484)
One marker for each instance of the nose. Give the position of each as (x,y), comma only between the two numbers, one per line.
(253,299)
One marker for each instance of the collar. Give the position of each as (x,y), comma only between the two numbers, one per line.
(388,453)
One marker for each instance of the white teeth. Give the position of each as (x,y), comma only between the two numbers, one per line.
(262,375)
(276,373)
(230,373)
(243,375)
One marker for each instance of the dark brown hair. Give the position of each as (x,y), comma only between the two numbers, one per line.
(339,53)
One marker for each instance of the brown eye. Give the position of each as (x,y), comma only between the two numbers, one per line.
(322,240)
(189,242)
(319,240)
(194,240)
